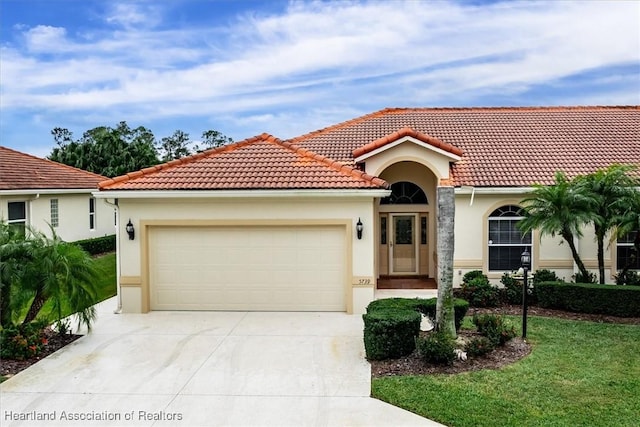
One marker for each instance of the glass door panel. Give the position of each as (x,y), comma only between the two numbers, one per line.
(403,246)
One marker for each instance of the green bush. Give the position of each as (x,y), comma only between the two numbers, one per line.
(474,274)
(436,348)
(622,301)
(512,289)
(99,245)
(589,278)
(630,277)
(389,334)
(479,346)
(426,306)
(480,293)
(22,341)
(545,275)
(495,328)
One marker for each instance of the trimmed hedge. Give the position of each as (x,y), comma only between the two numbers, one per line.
(389,334)
(99,245)
(622,301)
(391,325)
(422,305)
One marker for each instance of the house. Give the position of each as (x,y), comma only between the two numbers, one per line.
(43,194)
(313,223)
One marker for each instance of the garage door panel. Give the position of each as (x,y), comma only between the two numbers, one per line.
(248,268)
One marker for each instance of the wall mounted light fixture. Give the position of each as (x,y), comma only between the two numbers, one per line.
(359,229)
(130,230)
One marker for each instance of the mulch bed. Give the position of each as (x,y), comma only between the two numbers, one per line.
(55,341)
(513,351)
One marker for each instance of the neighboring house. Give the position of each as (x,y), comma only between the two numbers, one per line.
(266,224)
(40,193)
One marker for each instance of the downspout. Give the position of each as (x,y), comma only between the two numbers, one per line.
(118,309)
(473,194)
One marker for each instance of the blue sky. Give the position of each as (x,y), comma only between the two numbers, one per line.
(248,66)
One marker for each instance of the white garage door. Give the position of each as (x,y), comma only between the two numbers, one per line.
(247,268)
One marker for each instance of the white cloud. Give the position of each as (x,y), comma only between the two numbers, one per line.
(298,65)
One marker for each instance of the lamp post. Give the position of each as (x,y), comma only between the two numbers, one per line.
(525,262)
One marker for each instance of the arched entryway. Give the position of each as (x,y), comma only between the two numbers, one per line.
(406,240)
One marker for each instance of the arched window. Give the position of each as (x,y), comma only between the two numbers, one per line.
(506,241)
(405,193)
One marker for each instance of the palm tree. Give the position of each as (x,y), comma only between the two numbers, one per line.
(43,269)
(611,191)
(560,209)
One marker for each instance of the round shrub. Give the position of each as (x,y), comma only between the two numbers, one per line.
(479,346)
(480,293)
(436,348)
(474,274)
(495,328)
(389,334)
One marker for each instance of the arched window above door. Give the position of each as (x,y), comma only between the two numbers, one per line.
(405,193)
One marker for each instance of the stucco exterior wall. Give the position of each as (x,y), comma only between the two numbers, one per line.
(73,214)
(261,210)
(411,152)
(552,253)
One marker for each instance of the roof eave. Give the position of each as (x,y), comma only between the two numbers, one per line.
(195,194)
(451,156)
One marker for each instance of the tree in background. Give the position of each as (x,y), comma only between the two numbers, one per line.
(106,151)
(213,139)
(116,151)
(174,146)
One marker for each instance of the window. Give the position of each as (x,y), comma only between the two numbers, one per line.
(423,230)
(92,213)
(506,242)
(54,213)
(17,216)
(383,230)
(625,253)
(405,193)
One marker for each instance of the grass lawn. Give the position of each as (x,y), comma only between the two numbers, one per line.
(578,374)
(106,266)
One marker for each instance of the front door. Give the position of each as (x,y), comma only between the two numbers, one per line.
(403,248)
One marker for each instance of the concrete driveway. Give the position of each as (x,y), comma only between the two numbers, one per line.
(205,369)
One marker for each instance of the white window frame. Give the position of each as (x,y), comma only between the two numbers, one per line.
(54,205)
(92,213)
(18,221)
(506,216)
(620,243)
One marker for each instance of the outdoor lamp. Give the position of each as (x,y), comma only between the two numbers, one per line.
(525,261)
(130,231)
(359,228)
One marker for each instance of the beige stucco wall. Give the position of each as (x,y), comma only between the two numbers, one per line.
(471,246)
(409,151)
(245,211)
(73,214)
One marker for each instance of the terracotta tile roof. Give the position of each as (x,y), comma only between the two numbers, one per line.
(261,162)
(501,146)
(404,132)
(20,171)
